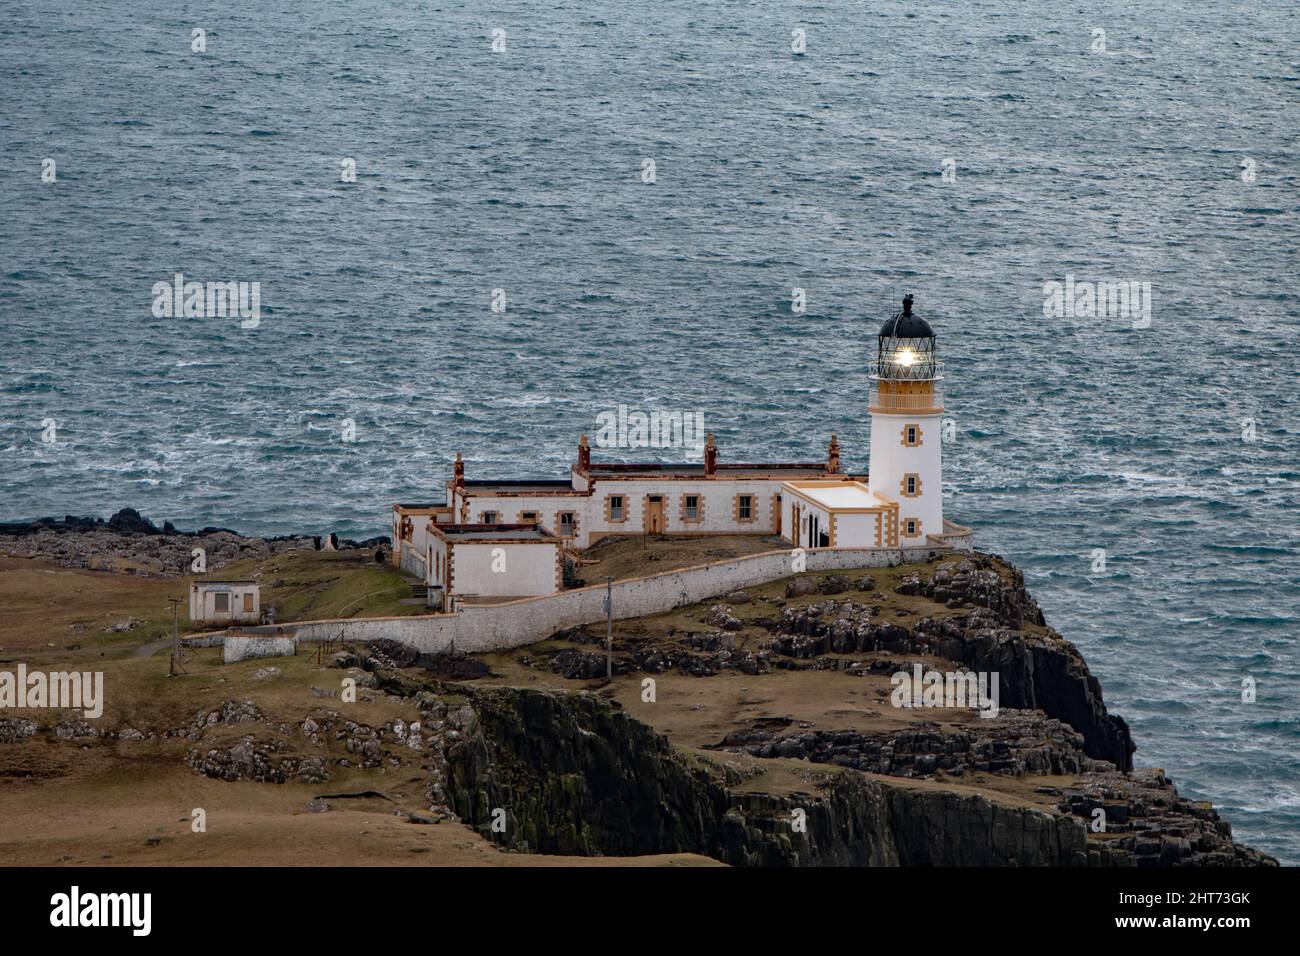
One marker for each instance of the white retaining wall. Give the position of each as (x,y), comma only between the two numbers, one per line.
(240,647)
(493,627)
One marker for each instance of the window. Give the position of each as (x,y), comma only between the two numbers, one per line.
(744,507)
(221,602)
(614,508)
(491,517)
(910,485)
(911,528)
(690,507)
(567,524)
(528,517)
(911,436)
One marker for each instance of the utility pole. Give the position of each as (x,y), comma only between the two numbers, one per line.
(609,628)
(175,666)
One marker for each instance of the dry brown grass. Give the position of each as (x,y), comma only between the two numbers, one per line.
(640,555)
(48,609)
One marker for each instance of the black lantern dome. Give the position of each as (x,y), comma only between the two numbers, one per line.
(906,348)
(906,324)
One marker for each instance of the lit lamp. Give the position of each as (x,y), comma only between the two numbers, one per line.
(905,349)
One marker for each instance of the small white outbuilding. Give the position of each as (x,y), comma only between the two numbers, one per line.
(225,602)
(493,562)
(837,514)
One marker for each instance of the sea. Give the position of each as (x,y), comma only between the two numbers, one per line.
(474,227)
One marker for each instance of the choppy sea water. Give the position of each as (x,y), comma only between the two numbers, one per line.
(522,171)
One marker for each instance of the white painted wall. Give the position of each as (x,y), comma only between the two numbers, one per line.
(809,510)
(891,460)
(491,627)
(504,570)
(509,507)
(436,558)
(856,530)
(203,603)
(716,497)
(413,555)
(238,647)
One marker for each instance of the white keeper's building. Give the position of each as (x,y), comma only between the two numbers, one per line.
(897,504)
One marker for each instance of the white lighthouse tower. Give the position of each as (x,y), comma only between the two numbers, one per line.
(906,417)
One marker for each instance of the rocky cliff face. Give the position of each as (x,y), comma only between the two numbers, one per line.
(1043,672)
(571,774)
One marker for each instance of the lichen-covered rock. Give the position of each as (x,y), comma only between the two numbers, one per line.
(799,587)
(975,581)
(128,537)
(720,616)
(230,712)
(1146,823)
(1014,743)
(16,729)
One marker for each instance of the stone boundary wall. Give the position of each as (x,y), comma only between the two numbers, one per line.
(242,647)
(494,627)
(211,639)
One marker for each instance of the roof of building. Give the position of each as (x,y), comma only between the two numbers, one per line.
(906,324)
(545,486)
(781,470)
(421,506)
(219,581)
(837,495)
(523,533)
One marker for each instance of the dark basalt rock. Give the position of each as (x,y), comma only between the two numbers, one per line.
(975,582)
(575,776)
(1149,824)
(1015,743)
(1036,671)
(127,536)
(128,521)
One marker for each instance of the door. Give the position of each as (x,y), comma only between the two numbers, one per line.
(654,515)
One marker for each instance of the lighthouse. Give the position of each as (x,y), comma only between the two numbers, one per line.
(906,418)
